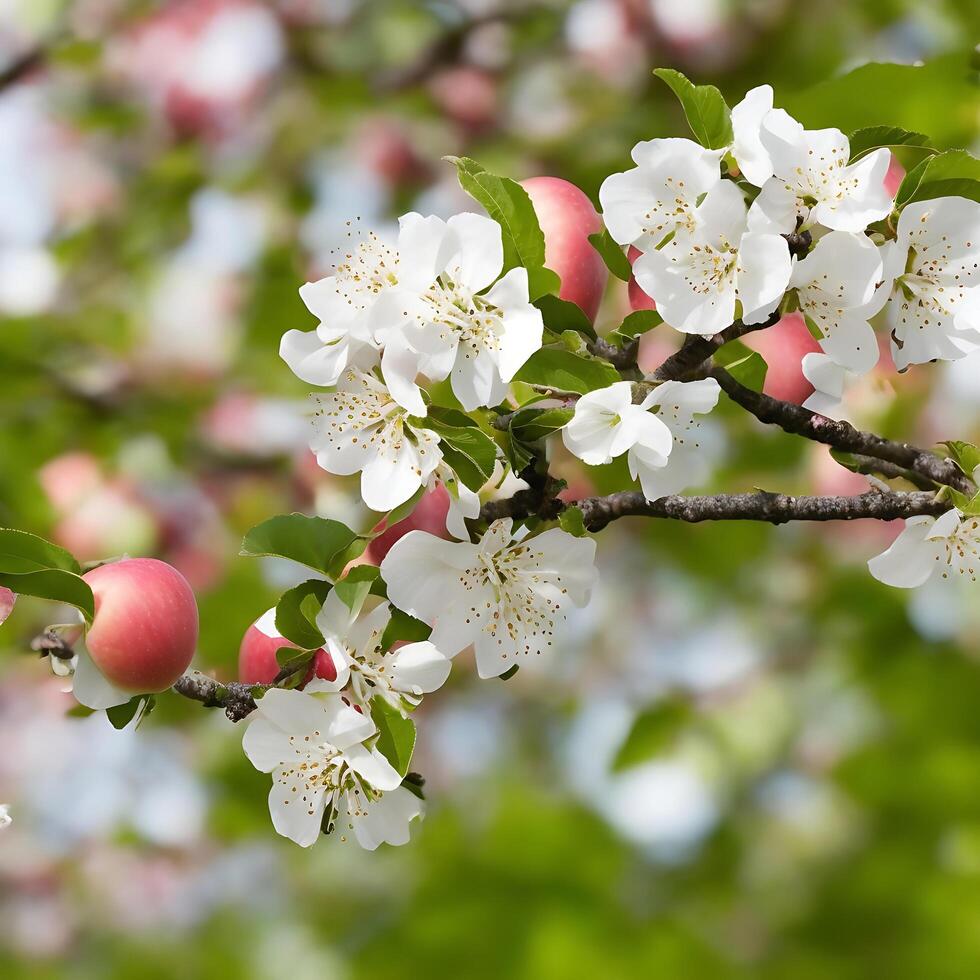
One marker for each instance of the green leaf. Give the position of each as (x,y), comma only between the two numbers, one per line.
(55,584)
(637,323)
(965,455)
(871,138)
(23,552)
(955,173)
(396,735)
(563,370)
(357,585)
(122,714)
(532,424)
(296,613)
(316,542)
(572,520)
(653,731)
(518,454)
(748,367)
(612,254)
(707,112)
(509,672)
(401,626)
(560,315)
(510,206)
(468,450)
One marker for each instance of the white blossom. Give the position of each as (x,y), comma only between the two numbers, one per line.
(835,285)
(444,321)
(314,746)
(607,424)
(933,306)
(343,302)
(506,597)
(698,276)
(5,818)
(365,669)
(812,182)
(949,545)
(659,196)
(361,428)
(750,155)
(675,404)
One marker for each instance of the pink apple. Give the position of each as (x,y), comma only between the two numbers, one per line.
(145,628)
(428,515)
(7,601)
(567,218)
(257,662)
(638,299)
(783,347)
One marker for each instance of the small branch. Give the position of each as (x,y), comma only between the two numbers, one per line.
(842,435)
(22,66)
(697,349)
(772,508)
(869,466)
(621,358)
(236,698)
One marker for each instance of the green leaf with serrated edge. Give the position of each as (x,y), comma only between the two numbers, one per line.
(964,454)
(636,324)
(532,424)
(22,552)
(612,254)
(954,173)
(292,613)
(122,714)
(747,367)
(870,138)
(653,732)
(401,626)
(564,370)
(518,454)
(510,206)
(396,735)
(572,520)
(560,315)
(468,450)
(315,542)
(707,112)
(55,584)
(969,506)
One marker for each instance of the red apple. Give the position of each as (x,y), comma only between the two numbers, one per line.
(783,347)
(257,662)
(7,600)
(145,628)
(638,299)
(567,218)
(429,515)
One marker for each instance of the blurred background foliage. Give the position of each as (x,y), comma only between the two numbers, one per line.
(749,759)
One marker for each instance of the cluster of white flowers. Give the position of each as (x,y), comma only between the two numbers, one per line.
(432,306)
(714,247)
(505,597)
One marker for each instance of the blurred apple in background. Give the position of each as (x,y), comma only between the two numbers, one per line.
(257,662)
(567,218)
(783,347)
(429,515)
(145,628)
(638,299)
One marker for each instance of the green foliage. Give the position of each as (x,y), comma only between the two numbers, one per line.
(707,112)
(509,205)
(532,424)
(560,315)
(465,446)
(564,370)
(29,565)
(964,454)
(122,714)
(396,735)
(636,324)
(866,140)
(296,613)
(653,733)
(955,173)
(612,254)
(748,367)
(324,545)
(401,626)
(572,520)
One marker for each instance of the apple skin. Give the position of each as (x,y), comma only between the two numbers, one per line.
(429,515)
(567,218)
(257,662)
(145,628)
(638,299)
(783,346)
